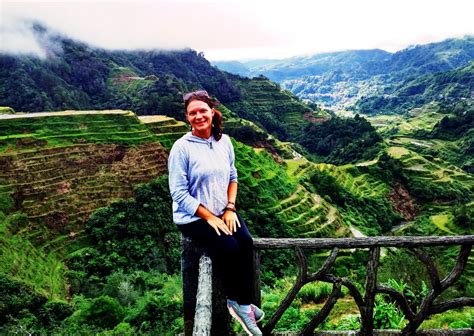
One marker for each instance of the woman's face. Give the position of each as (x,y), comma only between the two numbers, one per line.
(199,115)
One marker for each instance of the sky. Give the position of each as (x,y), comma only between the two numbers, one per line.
(238,30)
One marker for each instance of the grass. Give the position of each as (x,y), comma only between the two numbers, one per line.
(441,221)
(454,319)
(418,119)
(398,152)
(44,271)
(28,132)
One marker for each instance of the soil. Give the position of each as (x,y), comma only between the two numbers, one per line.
(403,202)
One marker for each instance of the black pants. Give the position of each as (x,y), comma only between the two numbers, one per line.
(232,256)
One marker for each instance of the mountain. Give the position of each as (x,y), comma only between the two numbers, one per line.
(339,79)
(448,88)
(234,67)
(87,243)
(77,76)
(359,62)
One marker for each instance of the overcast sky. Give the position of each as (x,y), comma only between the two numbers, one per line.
(243,29)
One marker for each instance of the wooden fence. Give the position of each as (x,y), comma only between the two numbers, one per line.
(365,300)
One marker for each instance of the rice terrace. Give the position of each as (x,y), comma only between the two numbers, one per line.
(355,178)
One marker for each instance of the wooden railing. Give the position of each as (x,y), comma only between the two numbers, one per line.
(365,300)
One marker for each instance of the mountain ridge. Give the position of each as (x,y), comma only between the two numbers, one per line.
(342,78)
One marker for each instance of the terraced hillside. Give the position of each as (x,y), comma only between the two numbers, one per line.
(279,112)
(418,119)
(166,129)
(329,220)
(433,179)
(58,168)
(363,185)
(350,197)
(430,131)
(309,214)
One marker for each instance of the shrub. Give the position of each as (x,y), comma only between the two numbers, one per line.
(53,313)
(387,315)
(131,235)
(315,292)
(156,314)
(103,312)
(17,298)
(122,329)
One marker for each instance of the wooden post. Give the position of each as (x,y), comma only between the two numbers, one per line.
(203,315)
(191,253)
(257,295)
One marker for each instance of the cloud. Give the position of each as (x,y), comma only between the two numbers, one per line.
(18,38)
(237,29)
(138,25)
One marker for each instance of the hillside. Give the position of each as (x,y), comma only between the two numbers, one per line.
(57,168)
(448,88)
(337,80)
(87,243)
(77,76)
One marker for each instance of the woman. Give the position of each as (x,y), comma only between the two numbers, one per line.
(203,185)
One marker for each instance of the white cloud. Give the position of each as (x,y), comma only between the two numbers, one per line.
(19,38)
(242,29)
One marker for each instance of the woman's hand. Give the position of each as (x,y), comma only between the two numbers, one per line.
(218,224)
(230,218)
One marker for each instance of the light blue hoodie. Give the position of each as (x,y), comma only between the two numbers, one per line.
(200,171)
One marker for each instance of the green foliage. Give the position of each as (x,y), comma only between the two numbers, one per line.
(326,185)
(247,134)
(293,318)
(157,314)
(101,312)
(415,92)
(341,141)
(460,318)
(454,127)
(464,217)
(17,297)
(410,278)
(315,292)
(42,270)
(53,313)
(130,235)
(149,303)
(372,212)
(6,203)
(122,329)
(351,322)
(23,310)
(387,315)
(6,110)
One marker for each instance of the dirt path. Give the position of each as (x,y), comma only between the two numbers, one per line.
(356,232)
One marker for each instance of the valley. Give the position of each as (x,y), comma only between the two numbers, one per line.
(366,143)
